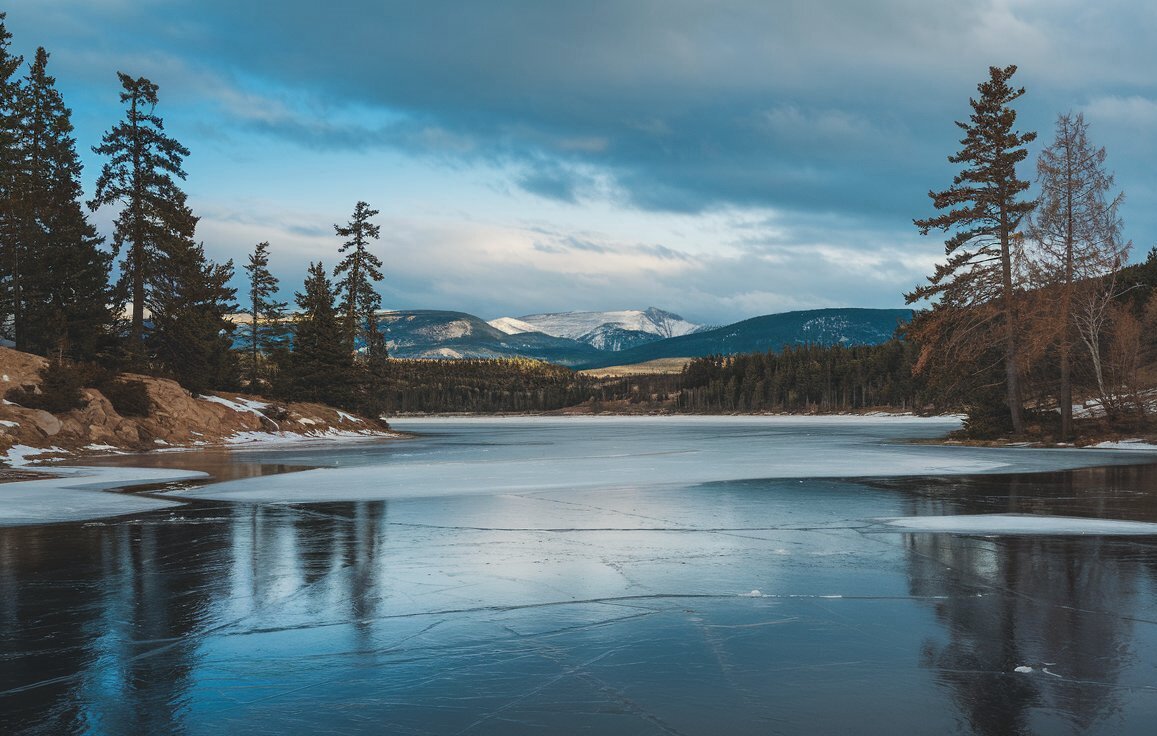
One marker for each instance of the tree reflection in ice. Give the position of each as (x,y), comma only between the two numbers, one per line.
(617,610)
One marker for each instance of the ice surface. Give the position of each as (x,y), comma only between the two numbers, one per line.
(75,493)
(989,524)
(653,608)
(532,454)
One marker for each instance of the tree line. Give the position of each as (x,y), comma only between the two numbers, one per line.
(798,379)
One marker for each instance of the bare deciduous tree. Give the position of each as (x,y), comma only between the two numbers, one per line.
(1077,232)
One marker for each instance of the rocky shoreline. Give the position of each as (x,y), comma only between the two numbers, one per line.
(177,419)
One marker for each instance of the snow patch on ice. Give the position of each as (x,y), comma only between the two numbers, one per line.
(1023,669)
(76,494)
(1000,524)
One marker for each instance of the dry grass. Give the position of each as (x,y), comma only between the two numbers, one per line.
(651,367)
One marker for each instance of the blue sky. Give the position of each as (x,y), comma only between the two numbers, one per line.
(717,158)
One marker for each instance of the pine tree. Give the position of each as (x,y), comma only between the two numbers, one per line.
(266,330)
(63,295)
(361,268)
(1078,231)
(984,210)
(10,255)
(190,301)
(320,367)
(139,174)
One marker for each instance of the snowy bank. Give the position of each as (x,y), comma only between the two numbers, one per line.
(175,418)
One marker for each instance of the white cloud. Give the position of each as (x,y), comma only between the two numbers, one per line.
(1134,111)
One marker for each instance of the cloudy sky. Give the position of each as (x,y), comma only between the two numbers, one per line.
(718,158)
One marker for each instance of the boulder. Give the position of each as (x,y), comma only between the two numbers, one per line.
(45,422)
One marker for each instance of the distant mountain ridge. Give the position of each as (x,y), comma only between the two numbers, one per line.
(428,333)
(432,333)
(615,330)
(845,326)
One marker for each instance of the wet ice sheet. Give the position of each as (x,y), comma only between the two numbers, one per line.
(538,454)
(610,611)
(988,524)
(74,493)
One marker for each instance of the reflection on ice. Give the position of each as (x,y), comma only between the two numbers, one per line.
(721,607)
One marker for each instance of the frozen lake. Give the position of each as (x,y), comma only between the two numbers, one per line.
(608,576)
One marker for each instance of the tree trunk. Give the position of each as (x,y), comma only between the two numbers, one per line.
(137,254)
(1011,370)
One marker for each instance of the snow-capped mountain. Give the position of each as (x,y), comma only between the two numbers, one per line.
(617,330)
(512,326)
(614,338)
(430,333)
(843,326)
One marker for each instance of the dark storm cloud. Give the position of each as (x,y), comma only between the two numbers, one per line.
(810,106)
(685,104)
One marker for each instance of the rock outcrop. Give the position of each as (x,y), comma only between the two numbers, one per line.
(177,418)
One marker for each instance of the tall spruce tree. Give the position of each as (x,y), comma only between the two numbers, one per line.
(266,329)
(359,270)
(983,209)
(1078,231)
(320,367)
(10,255)
(63,295)
(139,174)
(190,301)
